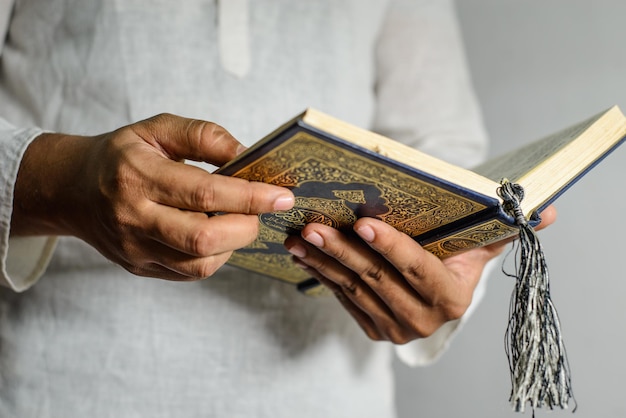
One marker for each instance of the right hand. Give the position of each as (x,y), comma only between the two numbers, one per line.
(129,194)
(393,288)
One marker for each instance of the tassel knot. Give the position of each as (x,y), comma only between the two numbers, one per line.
(512,194)
(537,360)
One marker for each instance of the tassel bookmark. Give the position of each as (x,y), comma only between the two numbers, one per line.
(540,372)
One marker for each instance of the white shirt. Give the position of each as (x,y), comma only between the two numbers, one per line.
(89,339)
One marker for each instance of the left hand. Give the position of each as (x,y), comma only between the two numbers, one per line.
(394,289)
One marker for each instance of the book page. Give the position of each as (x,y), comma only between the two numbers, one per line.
(402,153)
(517,163)
(546,167)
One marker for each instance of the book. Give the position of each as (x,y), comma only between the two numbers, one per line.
(339,173)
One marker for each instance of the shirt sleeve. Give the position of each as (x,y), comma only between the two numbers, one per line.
(22,259)
(426,100)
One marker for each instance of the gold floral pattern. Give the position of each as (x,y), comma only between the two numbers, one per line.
(335,186)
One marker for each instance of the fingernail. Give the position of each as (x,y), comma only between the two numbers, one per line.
(284,202)
(366,232)
(241,148)
(297,250)
(315,239)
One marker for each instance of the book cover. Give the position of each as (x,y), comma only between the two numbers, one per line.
(336,182)
(340,173)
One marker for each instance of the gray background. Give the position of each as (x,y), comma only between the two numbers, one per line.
(539,66)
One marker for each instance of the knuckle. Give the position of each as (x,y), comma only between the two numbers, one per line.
(120,180)
(399,336)
(454,306)
(350,287)
(373,334)
(213,130)
(415,271)
(423,328)
(199,131)
(338,292)
(203,197)
(196,130)
(456,310)
(150,127)
(160,119)
(205,269)
(202,242)
(120,225)
(250,200)
(128,252)
(375,272)
(216,132)
(341,253)
(161,116)
(427,330)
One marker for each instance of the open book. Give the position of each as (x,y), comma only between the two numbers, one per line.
(339,173)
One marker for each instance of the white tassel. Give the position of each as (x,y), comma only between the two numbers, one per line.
(540,372)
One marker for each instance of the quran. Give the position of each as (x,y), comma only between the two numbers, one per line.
(340,172)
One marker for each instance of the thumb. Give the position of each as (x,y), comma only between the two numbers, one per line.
(192,139)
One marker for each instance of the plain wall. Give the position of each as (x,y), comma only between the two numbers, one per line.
(539,66)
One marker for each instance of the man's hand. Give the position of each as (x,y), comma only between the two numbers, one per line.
(393,288)
(129,195)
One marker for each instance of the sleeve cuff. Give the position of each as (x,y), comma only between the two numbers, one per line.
(27,259)
(22,259)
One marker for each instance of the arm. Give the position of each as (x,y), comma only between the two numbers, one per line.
(128,194)
(22,259)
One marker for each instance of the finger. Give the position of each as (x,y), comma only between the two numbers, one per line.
(372,284)
(155,271)
(548,217)
(189,269)
(362,319)
(358,257)
(189,138)
(424,272)
(334,271)
(189,187)
(169,265)
(199,235)
(340,279)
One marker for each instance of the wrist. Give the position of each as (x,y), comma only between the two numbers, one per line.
(48,185)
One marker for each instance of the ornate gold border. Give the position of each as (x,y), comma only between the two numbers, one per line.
(413,206)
